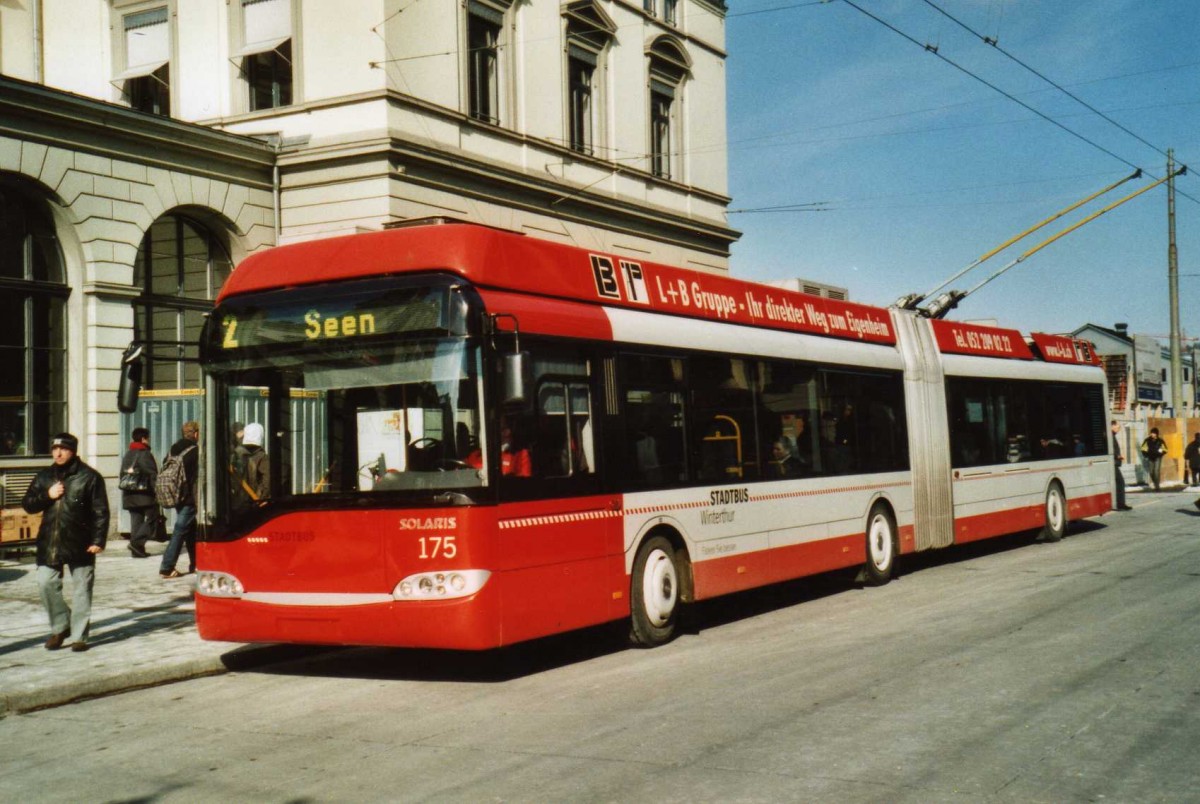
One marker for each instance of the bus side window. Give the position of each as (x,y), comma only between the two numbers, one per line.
(788,414)
(653,408)
(839,421)
(563,445)
(723,441)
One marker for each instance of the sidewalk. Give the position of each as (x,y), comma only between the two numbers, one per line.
(143,633)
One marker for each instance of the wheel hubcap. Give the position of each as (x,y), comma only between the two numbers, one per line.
(880,543)
(1054,512)
(659,588)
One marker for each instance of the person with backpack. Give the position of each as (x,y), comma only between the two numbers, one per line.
(176,488)
(252,467)
(138,474)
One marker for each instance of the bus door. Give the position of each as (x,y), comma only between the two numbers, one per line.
(558,536)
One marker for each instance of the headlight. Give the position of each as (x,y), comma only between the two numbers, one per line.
(219,584)
(441,585)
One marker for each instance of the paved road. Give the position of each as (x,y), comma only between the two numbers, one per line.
(1004,672)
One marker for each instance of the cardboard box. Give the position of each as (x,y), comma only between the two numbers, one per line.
(17,527)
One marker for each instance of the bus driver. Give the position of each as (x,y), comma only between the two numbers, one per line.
(513,461)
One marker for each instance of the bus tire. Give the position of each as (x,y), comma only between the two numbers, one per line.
(654,596)
(1056,513)
(882,546)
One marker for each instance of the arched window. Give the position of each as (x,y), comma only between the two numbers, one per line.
(180,267)
(669,65)
(33,342)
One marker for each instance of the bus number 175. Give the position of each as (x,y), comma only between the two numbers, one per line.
(434,546)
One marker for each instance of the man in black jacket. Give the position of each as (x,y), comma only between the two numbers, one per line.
(71,498)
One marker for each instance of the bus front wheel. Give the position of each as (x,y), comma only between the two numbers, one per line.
(1056,514)
(881,546)
(654,595)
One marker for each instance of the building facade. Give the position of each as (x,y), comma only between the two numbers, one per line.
(146,146)
(1140,393)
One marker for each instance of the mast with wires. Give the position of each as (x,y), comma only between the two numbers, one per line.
(1173,285)
(911,301)
(951,298)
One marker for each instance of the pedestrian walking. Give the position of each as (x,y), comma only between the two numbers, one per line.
(186,451)
(139,471)
(1153,450)
(71,498)
(1119,479)
(1191,460)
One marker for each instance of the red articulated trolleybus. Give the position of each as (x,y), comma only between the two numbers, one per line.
(475,438)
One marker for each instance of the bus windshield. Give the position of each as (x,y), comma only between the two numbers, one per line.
(384,419)
(368,412)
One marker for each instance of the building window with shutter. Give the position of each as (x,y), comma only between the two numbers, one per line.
(265,57)
(143,76)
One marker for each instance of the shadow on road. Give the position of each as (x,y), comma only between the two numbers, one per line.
(7,574)
(410,664)
(126,625)
(540,655)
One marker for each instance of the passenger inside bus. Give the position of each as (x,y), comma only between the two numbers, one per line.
(784,462)
(1050,447)
(251,468)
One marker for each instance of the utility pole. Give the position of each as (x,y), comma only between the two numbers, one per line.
(1173,285)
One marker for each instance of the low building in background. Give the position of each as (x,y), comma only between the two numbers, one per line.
(1139,393)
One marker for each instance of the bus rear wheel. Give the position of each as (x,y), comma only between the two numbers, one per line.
(1056,514)
(881,546)
(654,595)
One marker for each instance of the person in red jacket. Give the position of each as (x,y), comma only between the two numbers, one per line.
(513,461)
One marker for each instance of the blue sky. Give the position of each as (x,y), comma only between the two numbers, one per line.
(921,168)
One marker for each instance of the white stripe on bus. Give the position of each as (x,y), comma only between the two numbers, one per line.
(318,598)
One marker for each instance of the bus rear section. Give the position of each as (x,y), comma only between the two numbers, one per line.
(1028,436)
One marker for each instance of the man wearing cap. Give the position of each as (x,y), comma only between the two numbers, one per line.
(71,498)
(184,533)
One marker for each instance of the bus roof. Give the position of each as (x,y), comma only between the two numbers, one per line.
(503,260)
(493,258)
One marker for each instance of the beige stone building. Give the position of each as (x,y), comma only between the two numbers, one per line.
(148,145)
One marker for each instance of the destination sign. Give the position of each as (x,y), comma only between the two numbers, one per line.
(344,318)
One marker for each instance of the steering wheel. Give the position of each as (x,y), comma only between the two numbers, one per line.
(447,464)
(425,443)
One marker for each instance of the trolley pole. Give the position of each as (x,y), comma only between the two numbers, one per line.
(1173,285)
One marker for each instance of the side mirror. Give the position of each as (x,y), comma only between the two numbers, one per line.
(514,371)
(131,378)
